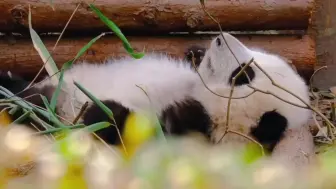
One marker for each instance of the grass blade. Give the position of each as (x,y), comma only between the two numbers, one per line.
(22,118)
(66,66)
(101,105)
(117,31)
(25,105)
(54,130)
(50,64)
(53,117)
(98,126)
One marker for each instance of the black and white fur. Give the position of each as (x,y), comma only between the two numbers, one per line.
(179,97)
(167,81)
(262,116)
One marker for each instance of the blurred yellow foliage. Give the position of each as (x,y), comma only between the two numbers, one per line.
(5,118)
(139,128)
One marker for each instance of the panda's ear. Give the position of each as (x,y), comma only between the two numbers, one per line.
(241,52)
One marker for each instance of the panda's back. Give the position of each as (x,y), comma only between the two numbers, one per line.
(118,80)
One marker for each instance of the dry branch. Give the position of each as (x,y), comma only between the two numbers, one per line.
(20,57)
(158,16)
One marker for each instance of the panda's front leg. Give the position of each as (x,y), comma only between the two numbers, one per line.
(195,51)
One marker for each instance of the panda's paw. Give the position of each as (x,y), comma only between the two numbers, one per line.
(195,51)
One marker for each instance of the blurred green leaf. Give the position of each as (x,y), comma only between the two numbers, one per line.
(252,153)
(98,126)
(117,31)
(50,64)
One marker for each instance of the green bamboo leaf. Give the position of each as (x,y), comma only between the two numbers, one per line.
(101,105)
(98,126)
(66,66)
(54,130)
(50,65)
(117,31)
(22,118)
(52,116)
(25,105)
(252,153)
(14,110)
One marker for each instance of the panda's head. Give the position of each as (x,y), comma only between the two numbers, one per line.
(262,116)
(223,60)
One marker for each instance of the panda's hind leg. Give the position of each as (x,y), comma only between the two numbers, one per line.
(95,114)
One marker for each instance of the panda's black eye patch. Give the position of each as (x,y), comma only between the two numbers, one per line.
(242,79)
(218,41)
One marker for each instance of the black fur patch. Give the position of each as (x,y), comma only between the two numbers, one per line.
(270,129)
(110,134)
(242,79)
(32,95)
(14,83)
(187,116)
(198,52)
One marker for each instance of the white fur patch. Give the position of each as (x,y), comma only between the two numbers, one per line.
(166,81)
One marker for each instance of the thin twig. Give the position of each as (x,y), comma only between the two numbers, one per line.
(221,33)
(233,82)
(308,106)
(229,101)
(278,97)
(320,128)
(210,90)
(230,97)
(66,25)
(296,96)
(318,124)
(249,138)
(81,112)
(312,77)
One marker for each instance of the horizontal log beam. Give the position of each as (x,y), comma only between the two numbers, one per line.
(20,56)
(156,16)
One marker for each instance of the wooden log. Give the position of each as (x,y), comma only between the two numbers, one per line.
(21,57)
(323,29)
(144,16)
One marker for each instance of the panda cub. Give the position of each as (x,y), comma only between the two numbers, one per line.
(179,97)
(167,81)
(261,116)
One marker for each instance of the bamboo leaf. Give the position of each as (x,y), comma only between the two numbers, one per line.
(25,105)
(117,31)
(22,118)
(66,66)
(54,130)
(14,110)
(52,114)
(50,64)
(98,126)
(101,105)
